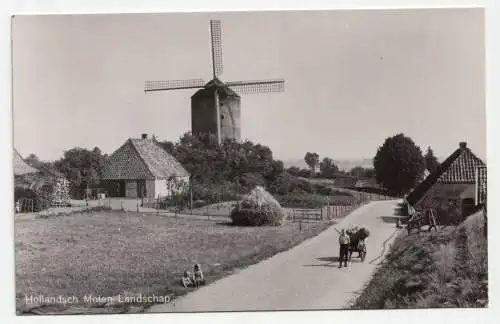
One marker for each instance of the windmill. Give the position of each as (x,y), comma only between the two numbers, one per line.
(215,108)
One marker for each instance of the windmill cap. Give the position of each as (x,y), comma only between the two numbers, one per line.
(463,145)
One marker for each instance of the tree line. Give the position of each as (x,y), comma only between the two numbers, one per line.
(240,166)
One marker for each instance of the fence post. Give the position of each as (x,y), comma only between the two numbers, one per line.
(137,205)
(191,195)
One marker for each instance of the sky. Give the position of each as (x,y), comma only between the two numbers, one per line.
(353,78)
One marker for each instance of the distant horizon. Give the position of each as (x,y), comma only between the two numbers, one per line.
(353,78)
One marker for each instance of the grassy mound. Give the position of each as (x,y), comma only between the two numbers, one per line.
(258,208)
(432,270)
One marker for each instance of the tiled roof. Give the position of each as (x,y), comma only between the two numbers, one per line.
(481,185)
(463,169)
(20,166)
(141,159)
(459,167)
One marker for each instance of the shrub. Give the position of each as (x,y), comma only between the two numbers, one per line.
(258,208)
(40,198)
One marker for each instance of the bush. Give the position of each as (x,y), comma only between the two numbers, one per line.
(40,199)
(258,208)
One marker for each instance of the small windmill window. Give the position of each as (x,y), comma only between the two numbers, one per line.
(221,116)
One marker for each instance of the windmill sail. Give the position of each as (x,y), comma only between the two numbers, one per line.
(274,85)
(173,85)
(216,37)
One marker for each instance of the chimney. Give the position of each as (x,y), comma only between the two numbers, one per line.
(463,145)
(144,136)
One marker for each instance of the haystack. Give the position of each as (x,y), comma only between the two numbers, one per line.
(258,208)
(358,233)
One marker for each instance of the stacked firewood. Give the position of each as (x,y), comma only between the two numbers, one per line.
(61,196)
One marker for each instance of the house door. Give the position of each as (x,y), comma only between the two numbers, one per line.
(121,188)
(141,189)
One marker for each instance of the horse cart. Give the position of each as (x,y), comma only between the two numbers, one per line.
(357,236)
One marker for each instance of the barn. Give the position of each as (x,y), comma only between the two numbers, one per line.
(140,168)
(455,185)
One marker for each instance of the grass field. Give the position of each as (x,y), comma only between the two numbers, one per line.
(112,253)
(433,270)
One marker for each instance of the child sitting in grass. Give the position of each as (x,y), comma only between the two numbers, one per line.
(187,280)
(198,276)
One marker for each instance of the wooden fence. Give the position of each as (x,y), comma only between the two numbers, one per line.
(336,208)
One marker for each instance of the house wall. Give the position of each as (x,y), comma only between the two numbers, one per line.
(151,189)
(443,194)
(161,187)
(447,197)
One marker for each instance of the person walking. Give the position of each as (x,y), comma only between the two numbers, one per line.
(344,242)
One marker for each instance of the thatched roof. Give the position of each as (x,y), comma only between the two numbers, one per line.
(20,166)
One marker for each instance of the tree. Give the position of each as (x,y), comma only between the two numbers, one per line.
(369,173)
(312,160)
(431,162)
(211,163)
(293,170)
(32,158)
(357,172)
(399,164)
(83,167)
(327,168)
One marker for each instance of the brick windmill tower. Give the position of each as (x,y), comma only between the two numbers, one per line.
(215,108)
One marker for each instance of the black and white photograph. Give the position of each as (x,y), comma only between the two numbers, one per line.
(249,161)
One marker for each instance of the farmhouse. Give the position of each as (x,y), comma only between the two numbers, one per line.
(141,168)
(455,184)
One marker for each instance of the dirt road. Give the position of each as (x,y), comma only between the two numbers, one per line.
(305,277)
